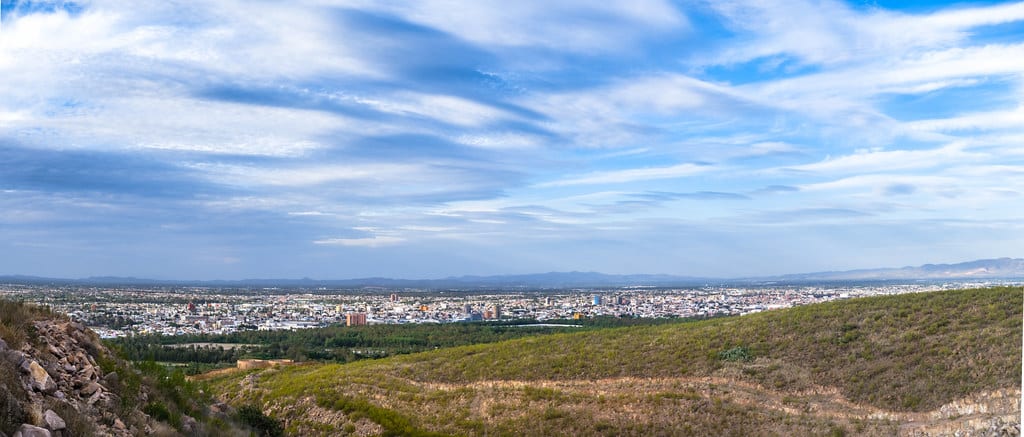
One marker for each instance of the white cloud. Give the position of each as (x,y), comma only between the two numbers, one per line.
(1012,119)
(874,161)
(836,90)
(963,18)
(630,175)
(443,108)
(628,110)
(499,140)
(574,25)
(378,173)
(876,182)
(830,32)
(371,242)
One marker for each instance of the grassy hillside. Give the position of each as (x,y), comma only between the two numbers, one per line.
(834,368)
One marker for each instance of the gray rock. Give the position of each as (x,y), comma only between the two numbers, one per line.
(90,388)
(53,421)
(111,379)
(88,372)
(40,379)
(14,357)
(95,397)
(26,364)
(27,430)
(3,345)
(189,425)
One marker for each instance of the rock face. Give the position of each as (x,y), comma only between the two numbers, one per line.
(63,391)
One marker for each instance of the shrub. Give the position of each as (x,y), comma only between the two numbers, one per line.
(16,321)
(158,411)
(738,353)
(264,425)
(11,396)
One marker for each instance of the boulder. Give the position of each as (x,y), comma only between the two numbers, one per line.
(14,357)
(53,421)
(40,379)
(111,379)
(56,351)
(27,430)
(189,425)
(88,372)
(89,389)
(95,397)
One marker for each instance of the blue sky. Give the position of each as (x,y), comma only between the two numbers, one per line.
(422,139)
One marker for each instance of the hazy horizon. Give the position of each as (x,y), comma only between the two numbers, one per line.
(349,139)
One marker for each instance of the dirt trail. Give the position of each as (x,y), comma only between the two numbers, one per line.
(991,413)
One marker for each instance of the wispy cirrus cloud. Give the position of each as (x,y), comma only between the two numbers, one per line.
(630,175)
(504,137)
(360,242)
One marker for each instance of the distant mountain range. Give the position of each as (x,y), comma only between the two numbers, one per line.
(1001,268)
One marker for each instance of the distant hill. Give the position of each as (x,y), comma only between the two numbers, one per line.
(1001,268)
(940,363)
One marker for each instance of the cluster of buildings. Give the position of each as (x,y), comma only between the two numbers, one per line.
(115,312)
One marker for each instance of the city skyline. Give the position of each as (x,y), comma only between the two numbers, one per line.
(349,139)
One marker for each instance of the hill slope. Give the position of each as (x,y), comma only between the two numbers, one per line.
(58,379)
(872,366)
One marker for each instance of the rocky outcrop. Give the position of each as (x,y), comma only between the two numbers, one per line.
(987,414)
(63,389)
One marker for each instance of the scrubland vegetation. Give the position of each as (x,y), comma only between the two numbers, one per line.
(342,344)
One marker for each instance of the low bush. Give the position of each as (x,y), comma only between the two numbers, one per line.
(738,353)
(261,423)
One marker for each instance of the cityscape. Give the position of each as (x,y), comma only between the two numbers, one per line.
(125,311)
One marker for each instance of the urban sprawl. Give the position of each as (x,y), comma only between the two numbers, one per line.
(123,311)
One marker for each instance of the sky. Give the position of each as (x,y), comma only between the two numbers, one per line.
(349,138)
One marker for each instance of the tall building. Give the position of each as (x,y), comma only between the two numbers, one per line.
(597,299)
(497,311)
(355,319)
